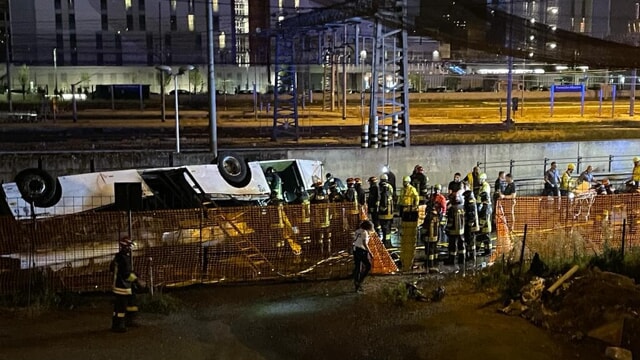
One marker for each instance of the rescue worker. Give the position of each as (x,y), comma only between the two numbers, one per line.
(335,195)
(420,181)
(275,184)
(333,180)
(455,226)
(408,202)
(471,224)
(485,216)
(431,230)
(474,181)
(124,282)
(385,208)
(552,181)
(635,177)
(320,219)
(586,176)
(373,204)
(352,206)
(566,183)
(362,198)
(302,199)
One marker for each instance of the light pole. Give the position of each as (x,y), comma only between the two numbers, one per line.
(181,71)
(363,58)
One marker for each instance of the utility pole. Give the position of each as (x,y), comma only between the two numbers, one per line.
(213,126)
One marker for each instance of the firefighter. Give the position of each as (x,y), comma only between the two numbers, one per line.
(385,208)
(408,202)
(455,226)
(275,184)
(362,198)
(473,180)
(320,219)
(124,282)
(471,223)
(352,205)
(420,181)
(635,175)
(567,184)
(373,204)
(333,180)
(335,195)
(431,232)
(485,211)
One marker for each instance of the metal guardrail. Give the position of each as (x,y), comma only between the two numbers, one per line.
(20,117)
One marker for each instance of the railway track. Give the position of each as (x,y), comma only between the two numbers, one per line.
(195,137)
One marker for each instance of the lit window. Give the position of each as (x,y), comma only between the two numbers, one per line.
(216,6)
(191,23)
(127,4)
(173,5)
(222,42)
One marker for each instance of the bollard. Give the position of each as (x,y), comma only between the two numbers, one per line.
(374,140)
(364,138)
(394,125)
(384,138)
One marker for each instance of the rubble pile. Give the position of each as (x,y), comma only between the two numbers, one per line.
(591,304)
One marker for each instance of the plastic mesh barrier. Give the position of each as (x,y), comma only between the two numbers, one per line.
(183,247)
(564,228)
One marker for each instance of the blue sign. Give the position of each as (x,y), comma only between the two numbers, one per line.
(568,88)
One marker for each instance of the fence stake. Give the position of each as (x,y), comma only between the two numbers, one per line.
(624,234)
(151,276)
(524,242)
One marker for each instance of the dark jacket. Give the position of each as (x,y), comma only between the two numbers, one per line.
(123,276)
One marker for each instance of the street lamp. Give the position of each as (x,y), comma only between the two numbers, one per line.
(170,72)
(363,58)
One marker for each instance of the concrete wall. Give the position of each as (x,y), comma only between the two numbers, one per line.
(439,161)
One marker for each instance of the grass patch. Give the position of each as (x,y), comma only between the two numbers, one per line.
(159,303)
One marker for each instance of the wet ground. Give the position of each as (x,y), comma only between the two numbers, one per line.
(308,320)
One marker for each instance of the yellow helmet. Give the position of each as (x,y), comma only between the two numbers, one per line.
(483,177)
(571,166)
(406,179)
(636,159)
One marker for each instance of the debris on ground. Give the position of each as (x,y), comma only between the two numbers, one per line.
(593,304)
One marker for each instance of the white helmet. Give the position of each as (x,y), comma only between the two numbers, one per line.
(483,177)
(384,177)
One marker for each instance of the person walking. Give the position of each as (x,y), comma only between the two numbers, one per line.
(362,254)
(124,281)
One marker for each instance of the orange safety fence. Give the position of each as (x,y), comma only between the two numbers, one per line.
(567,227)
(183,247)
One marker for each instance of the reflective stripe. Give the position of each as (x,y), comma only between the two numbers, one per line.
(121,291)
(120,315)
(132,308)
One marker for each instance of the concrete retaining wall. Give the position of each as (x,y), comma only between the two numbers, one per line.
(439,161)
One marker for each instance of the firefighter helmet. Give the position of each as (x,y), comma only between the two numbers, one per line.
(483,177)
(358,180)
(406,179)
(571,166)
(373,179)
(351,181)
(437,187)
(328,176)
(384,177)
(125,242)
(419,169)
(636,159)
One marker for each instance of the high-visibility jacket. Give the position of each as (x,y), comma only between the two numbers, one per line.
(409,196)
(636,173)
(566,182)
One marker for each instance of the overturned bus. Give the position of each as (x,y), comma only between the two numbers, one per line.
(230,181)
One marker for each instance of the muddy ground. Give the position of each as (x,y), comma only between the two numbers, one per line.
(302,320)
